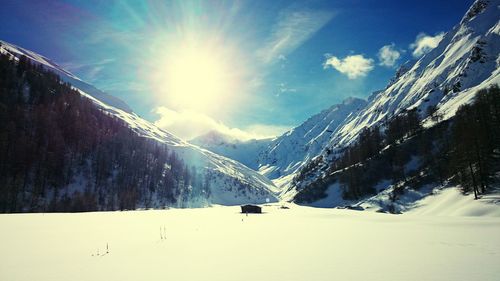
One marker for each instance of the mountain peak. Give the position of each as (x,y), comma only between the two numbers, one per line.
(214,137)
(477,8)
(353,100)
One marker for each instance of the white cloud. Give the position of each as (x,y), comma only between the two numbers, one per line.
(283,88)
(353,66)
(282,57)
(267,131)
(425,43)
(89,71)
(190,124)
(71,66)
(388,55)
(292,29)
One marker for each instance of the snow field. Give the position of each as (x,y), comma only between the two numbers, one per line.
(219,243)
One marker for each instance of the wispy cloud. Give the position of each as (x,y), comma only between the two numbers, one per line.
(267,131)
(89,71)
(121,85)
(425,43)
(292,29)
(189,124)
(70,66)
(388,55)
(354,66)
(283,88)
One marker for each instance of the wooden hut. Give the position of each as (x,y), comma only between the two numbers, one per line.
(245,209)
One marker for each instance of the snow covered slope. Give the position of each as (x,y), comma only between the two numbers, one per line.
(230,181)
(278,159)
(245,152)
(289,152)
(66,76)
(451,202)
(466,60)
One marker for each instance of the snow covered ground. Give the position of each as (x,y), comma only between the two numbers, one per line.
(450,202)
(219,243)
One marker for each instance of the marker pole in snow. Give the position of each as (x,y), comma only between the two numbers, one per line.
(163,233)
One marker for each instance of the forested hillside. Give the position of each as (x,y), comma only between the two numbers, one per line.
(60,152)
(464,150)
(435,124)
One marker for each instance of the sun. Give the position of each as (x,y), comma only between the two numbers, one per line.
(195,78)
(200,72)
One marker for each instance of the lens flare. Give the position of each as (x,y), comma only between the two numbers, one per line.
(196,76)
(195,79)
(191,62)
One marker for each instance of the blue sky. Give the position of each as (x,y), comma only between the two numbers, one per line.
(282,61)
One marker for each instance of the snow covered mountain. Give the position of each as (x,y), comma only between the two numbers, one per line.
(230,181)
(286,154)
(245,152)
(278,159)
(467,59)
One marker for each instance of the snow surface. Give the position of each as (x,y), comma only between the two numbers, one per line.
(451,202)
(219,243)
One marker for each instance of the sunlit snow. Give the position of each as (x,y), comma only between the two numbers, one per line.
(219,243)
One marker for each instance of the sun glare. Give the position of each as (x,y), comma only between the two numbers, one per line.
(191,78)
(195,79)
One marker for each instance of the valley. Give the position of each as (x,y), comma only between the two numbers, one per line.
(367,132)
